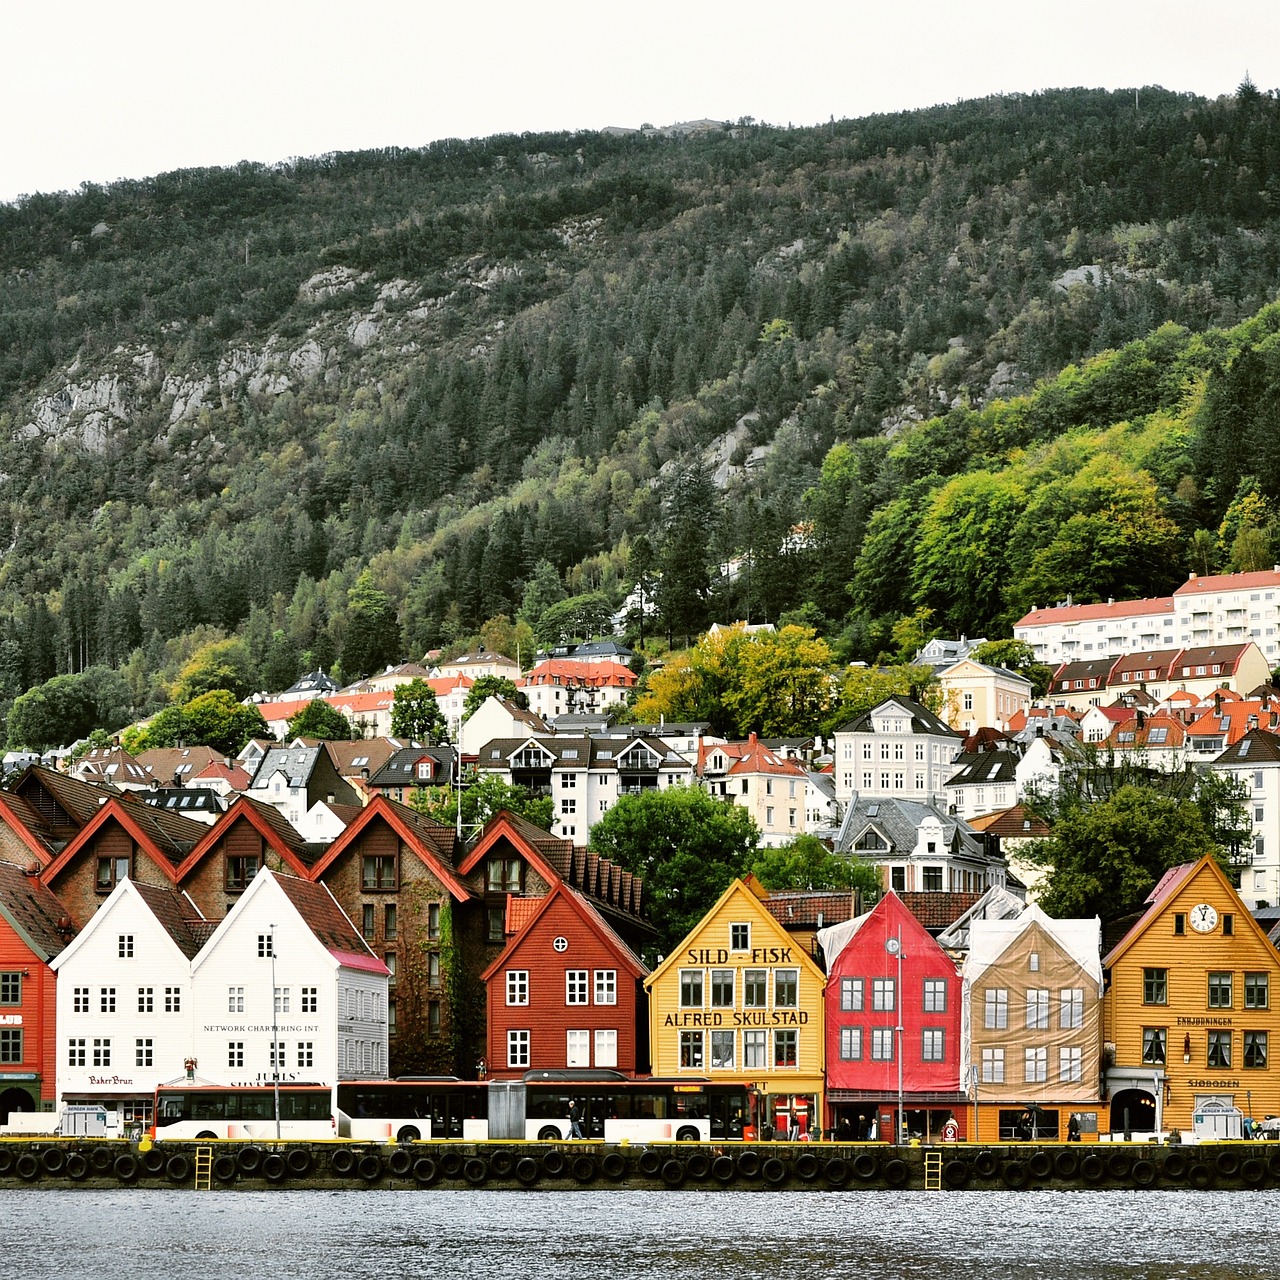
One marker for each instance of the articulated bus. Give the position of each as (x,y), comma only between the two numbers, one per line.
(615,1108)
(217,1111)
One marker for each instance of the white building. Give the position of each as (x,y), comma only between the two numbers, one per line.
(898,748)
(1254,762)
(284,983)
(124,999)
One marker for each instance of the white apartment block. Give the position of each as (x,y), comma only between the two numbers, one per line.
(1229,608)
(1254,762)
(897,749)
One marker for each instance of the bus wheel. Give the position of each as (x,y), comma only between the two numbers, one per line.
(178,1169)
(549,1133)
(688,1134)
(298,1162)
(425,1171)
(527,1171)
(409,1134)
(206,1136)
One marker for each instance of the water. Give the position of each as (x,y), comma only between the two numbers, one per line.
(638,1235)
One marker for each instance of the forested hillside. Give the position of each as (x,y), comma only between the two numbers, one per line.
(346,409)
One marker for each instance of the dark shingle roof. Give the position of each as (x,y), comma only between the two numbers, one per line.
(318,907)
(922,719)
(176,912)
(33,911)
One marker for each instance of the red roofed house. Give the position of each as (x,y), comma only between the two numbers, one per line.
(560,686)
(1226,720)
(1160,739)
(566,992)
(329,1009)
(249,836)
(392,872)
(770,786)
(885,970)
(126,839)
(1241,667)
(33,929)
(1230,608)
(1075,632)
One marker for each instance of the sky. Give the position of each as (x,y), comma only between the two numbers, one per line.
(138,87)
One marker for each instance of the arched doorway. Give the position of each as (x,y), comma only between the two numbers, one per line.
(1141,1108)
(14,1100)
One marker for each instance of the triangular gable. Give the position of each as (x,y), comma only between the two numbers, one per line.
(835,938)
(17,824)
(755,912)
(113,810)
(1171,884)
(101,918)
(501,826)
(247,810)
(587,914)
(1079,940)
(382,809)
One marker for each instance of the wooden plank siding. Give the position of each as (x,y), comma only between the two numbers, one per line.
(738,934)
(566,935)
(1165,941)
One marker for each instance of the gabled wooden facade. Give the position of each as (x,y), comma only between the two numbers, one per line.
(392,872)
(249,836)
(885,970)
(33,929)
(1191,1007)
(1031,1026)
(566,993)
(125,839)
(738,999)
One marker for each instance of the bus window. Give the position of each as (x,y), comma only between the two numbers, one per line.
(174,1107)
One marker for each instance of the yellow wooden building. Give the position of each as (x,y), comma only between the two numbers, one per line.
(1188,1015)
(739,1000)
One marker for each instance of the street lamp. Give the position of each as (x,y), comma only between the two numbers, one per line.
(275,1030)
(894,947)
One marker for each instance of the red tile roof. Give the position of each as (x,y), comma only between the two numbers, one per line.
(1090,612)
(1202,585)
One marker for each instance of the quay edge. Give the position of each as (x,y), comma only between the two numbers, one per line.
(263,1165)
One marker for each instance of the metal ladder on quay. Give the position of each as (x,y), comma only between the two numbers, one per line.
(204,1168)
(933,1170)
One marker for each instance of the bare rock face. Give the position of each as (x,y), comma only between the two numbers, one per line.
(330,283)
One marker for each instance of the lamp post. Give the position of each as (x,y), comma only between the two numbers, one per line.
(275,1031)
(894,947)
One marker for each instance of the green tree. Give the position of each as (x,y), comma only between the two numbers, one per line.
(66,708)
(578,618)
(416,714)
(807,863)
(861,688)
(373,636)
(482,798)
(320,719)
(222,664)
(217,720)
(493,687)
(1105,858)
(687,847)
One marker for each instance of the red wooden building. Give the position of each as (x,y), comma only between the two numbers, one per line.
(885,970)
(566,992)
(33,929)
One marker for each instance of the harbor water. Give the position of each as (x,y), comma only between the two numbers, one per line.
(637,1235)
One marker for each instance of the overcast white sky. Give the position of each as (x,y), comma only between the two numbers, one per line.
(135,87)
